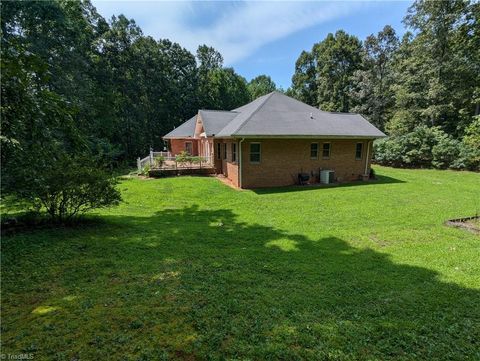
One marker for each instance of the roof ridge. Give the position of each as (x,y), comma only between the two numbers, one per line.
(311,106)
(254,112)
(218,110)
(332,112)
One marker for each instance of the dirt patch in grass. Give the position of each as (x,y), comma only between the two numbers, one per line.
(471,224)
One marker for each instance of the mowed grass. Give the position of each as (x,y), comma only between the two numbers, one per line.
(188,268)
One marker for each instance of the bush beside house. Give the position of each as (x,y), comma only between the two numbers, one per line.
(431,147)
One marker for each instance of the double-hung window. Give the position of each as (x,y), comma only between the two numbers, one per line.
(219,151)
(255,152)
(224,150)
(189,148)
(358,151)
(326,150)
(314,151)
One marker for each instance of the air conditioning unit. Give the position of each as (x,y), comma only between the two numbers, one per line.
(327,176)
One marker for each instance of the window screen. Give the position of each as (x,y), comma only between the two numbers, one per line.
(314,150)
(358,151)
(326,150)
(255,151)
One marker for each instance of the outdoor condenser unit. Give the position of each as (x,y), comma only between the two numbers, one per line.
(327,176)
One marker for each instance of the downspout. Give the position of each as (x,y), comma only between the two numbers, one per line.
(240,163)
(366,158)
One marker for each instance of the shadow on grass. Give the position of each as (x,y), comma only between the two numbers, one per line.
(380,179)
(194,283)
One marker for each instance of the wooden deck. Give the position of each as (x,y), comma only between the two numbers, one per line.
(171,172)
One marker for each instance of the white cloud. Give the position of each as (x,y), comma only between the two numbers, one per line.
(235,29)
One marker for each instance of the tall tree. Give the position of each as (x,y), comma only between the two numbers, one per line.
(373,89)
(226,89)
(337,59)
(261,85)
(119,63)
(218,88)
(443,64)
(148,88)
(208,58)
(304,83)
(46,160)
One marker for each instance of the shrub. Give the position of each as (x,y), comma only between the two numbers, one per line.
(66,187)
(445,152)
(196,160)
(470,147)
(183,158)
(426,147)
(388,151)
(469,157)
(145,170)
(159,160)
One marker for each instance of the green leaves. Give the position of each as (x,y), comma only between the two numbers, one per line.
(428,79)
(223,89)
(260,85)
(373,85)
(427,147)
(437,71)
(323,77)
(218,87)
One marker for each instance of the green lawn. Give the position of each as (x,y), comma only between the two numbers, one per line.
(188,268)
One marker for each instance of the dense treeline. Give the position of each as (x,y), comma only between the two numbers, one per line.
(122,90)
(81,95)
(422,90)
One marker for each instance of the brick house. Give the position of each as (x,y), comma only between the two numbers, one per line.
(275,139)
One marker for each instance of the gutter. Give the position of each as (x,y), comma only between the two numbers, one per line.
(366,158)
(339,137)
(240,163)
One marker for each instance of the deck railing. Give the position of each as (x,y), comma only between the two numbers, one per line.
(165,160)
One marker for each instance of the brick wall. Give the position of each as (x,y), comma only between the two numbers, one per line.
(227,167)
(178,145)
(282,160)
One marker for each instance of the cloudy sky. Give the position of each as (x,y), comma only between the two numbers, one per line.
(257,37)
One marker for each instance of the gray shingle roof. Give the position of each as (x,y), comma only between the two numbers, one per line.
(276,114)
(244,113)
(215,120)
(184,130)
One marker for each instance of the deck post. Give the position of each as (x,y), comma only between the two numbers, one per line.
(139,164)
(151,157)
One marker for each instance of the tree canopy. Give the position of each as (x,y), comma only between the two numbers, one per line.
(429,78)
(261,85)
(76,86)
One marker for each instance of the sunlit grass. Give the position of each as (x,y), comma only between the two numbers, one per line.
(42,310)
(188,268)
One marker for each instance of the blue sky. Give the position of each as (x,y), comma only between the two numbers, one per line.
(258,37)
